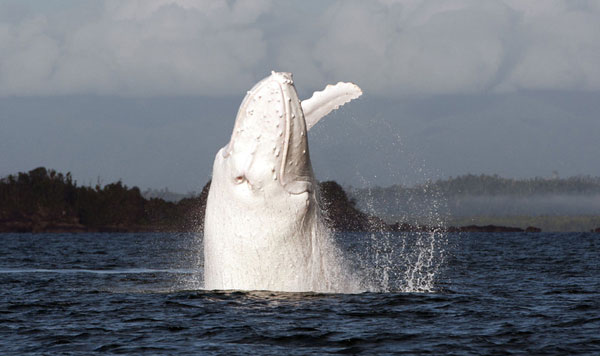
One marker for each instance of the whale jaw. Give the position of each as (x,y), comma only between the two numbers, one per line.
(269,143)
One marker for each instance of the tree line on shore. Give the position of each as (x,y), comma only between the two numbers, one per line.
(43,200)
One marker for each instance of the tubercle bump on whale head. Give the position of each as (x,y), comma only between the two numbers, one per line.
(269,137)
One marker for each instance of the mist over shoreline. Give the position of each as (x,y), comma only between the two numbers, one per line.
(484,195)
(485,205)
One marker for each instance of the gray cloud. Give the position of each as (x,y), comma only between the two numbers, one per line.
(391,48)
(134,48)
(463,46)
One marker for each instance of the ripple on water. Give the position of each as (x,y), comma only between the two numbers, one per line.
(496,295)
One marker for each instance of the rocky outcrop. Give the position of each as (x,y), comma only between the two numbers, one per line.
(489,228)
(341,213)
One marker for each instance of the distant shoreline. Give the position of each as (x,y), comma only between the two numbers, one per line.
(44,201)
(49,227)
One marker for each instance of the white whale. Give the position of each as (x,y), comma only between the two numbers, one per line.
(263,229)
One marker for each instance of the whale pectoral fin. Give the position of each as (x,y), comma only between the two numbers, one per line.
(325,101)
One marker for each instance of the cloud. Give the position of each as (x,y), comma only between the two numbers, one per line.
(156,47)
(462,46)
(391,48)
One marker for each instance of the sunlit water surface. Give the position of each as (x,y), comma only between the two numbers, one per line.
(468,294)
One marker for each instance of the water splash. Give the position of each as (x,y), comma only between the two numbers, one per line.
(406,261)
(398,261)
(401,261)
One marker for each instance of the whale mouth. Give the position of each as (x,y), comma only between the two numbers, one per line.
(269,136)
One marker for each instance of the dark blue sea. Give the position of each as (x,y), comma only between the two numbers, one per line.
(476,294)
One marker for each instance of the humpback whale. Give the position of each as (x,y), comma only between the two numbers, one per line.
(263,228)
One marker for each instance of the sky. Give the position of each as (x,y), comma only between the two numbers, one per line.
(146,91)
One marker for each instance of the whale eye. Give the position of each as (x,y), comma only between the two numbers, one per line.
(239,179)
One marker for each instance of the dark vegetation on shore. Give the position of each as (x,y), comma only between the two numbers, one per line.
(43,200)
(46,201)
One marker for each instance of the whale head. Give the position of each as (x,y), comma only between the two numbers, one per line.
(268,149)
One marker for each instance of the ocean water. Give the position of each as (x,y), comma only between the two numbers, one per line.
(473,294)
